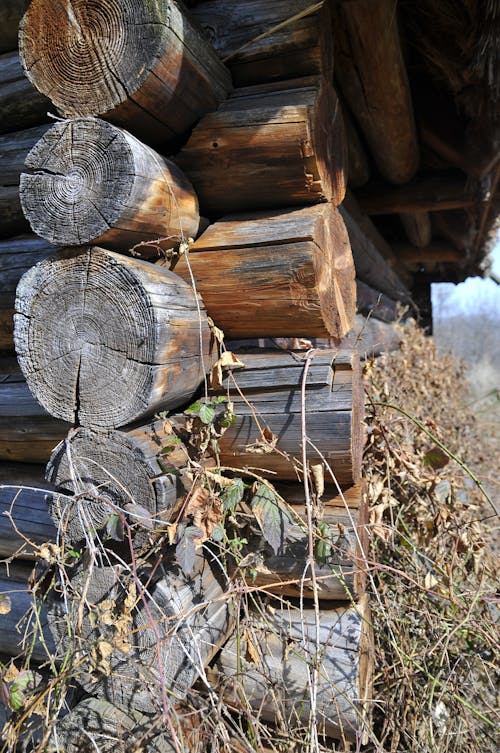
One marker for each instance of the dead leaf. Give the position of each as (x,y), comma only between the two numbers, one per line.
(227,360)
(318,474)
(5,604)
(251,652)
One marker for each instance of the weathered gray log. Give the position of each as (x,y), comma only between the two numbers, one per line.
(371,337)
(141,65)
(28,433)
(342,540)
(240,35)
(370,265)
(357,159)
(111,339)
(267,432)
(17,255)
(105,473)
(417,226)
(276,274)
(171,627)
(97,724)
(370,67)
(24,519)
(93,182)
(269,146)
(20,104)
(18,630)
(274,656)
(375,303)
(10,15)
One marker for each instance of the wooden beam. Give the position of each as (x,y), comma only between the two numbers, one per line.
(10,15)
(429,194)
(21,105)
(456,225)
(375,303)
(437,252)
(370,68)
(25,522)
(417,226)
(357,160)
(370,337)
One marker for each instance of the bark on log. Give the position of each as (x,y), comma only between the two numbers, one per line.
(10,15)
(17,255)
(240,35)
(94,182)
(269,147)
(342,574)
(375,303)
(111,340)
(428,194)
(175,627)
(102,472)
(276,274)
(371,267)
(27,433)
(20,104)
(141,65)
(24,520)
(417,226)
(274,676)
(17,629)
(271,385)
(437,252)
(370,68)
(94,724)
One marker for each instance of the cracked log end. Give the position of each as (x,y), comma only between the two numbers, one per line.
(93,182)
(104,339)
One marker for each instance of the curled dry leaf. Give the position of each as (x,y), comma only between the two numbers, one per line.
(227,360)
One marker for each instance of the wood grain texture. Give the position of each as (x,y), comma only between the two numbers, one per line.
(100,473)
(277,684)
(276,273)
(271,385)
(240,35)
(17,255)
(141,65)
(95,722)
(16,627)
(21,105)
(28,433)
(10,15)
(24,519)
(343,574)
(269,146)
(177,625)
(370,67)
(93,182)
(111,339)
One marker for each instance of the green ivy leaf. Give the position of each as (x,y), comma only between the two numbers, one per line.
(194,408)
(218,533)
(206,414)
(114,527)
(25,682)
(232,495)
(272,517)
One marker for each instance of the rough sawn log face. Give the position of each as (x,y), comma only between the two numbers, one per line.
(93,182)
(142,65)
(277,684)
(276,273)
(268,146)
(105,339)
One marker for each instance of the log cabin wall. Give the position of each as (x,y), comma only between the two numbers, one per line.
(266,161)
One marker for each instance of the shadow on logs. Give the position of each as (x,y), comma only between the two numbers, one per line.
(140,64)
(111,339)
(92,182)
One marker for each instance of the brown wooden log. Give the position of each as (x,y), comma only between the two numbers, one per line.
(97,724)
(105,473)
(371,337)
(417,226)
(111,339)
(271,402)
(10,15)
(240,35)
(278,273)
(20,104)
(371,267)
(24,519)
(370,68)
(343,536)
(429,194)
(376,304)
(18,632)
(141,65)
(17,255)
(438,252)
(357,160)
(174,628)
(91,181)
(269,664)
(269,147)
(27,433)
